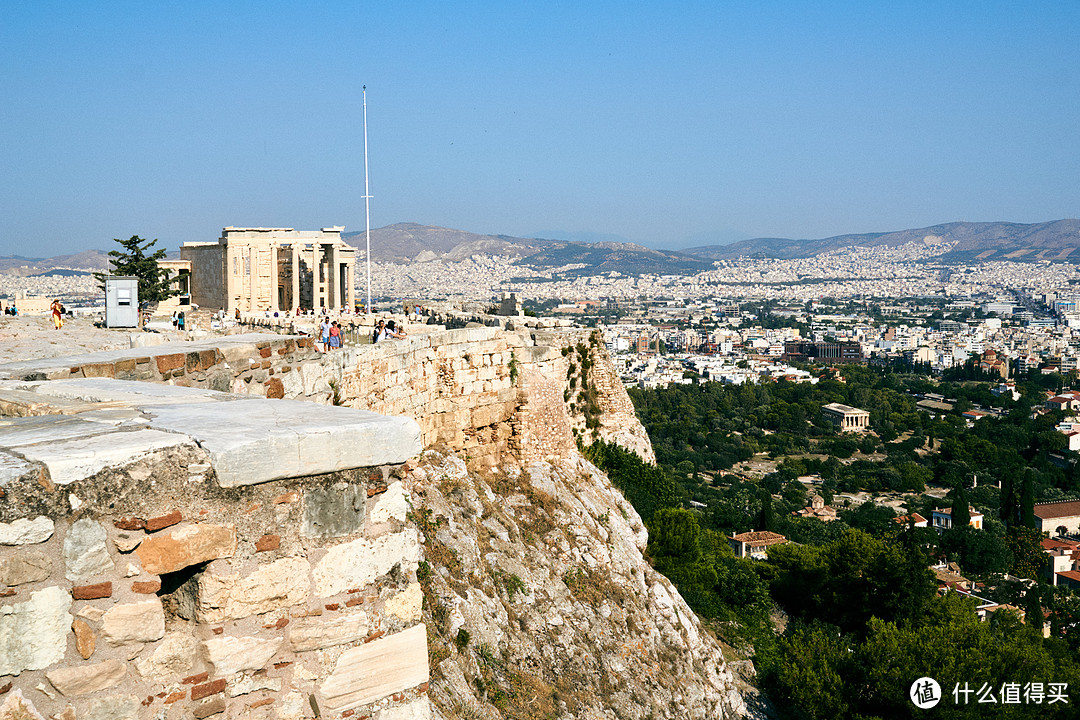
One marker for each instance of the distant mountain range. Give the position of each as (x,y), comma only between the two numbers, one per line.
(975,241)
(411,242)
(30,266)
(1058,240)
(404,243)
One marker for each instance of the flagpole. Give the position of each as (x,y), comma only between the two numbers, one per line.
(367,205)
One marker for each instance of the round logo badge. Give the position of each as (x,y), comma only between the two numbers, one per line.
(925,693)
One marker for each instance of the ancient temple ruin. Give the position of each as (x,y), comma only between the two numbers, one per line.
(272,269)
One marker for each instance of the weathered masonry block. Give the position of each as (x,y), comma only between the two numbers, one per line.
(170,552)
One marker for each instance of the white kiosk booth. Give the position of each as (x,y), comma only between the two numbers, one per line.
(121,301)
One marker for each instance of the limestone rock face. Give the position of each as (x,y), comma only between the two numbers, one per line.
(407,604)
(223,595)
(25,567)
(358,562)
(173,656)
(228,655)
(87,678)
(416,710)
(33,634)
(116,707)
(543,568)
(85,638)
(133,623)
(318,633)
(85,553)
(17,707)
(392,505)
(249,684)
(25,531)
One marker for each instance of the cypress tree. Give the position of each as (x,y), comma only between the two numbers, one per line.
(1033,614)
(961,513)
(1027,502)
(766,518)
(1007,511)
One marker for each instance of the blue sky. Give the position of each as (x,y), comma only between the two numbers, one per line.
(665,123)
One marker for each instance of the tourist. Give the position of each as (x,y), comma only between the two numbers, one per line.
(392,331)
(335,335)
(180,321)
(380,332)
(324,334)
(57,314)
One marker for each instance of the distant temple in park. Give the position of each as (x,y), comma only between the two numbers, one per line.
(831,352)
(271,269)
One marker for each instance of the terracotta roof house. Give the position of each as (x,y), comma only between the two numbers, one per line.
(943,519)
(1053,515)
(754,543)
(920,521)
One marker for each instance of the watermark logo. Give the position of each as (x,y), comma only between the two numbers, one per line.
(925,693)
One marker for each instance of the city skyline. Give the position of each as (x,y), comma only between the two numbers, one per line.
(666,127)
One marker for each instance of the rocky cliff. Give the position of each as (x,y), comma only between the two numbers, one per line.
(540,604)
(169,551)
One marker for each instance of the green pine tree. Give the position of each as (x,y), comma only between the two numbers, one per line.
(137,260)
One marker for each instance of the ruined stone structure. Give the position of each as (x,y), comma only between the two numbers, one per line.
(173,552)
(256,269)
(482,390)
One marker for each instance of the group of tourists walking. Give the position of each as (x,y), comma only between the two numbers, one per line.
(330,334)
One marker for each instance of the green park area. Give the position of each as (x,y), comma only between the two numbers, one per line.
(842,618)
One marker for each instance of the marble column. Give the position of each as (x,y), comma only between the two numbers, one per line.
(335,279)
(295,277)
(274,278)
(350,286)
(317,294)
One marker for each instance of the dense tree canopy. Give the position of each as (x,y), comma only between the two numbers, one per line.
(865,620)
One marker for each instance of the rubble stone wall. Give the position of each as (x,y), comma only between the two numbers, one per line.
(149,591)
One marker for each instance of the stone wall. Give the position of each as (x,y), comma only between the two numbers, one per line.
(258,561)
(487,391)
(483,390)
(207,276)
(250,364)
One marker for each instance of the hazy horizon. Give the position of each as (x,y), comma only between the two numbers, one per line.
(666,127)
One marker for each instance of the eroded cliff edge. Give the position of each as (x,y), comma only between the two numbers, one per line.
(539,602)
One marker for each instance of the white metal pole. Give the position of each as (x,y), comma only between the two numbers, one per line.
(367,206)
